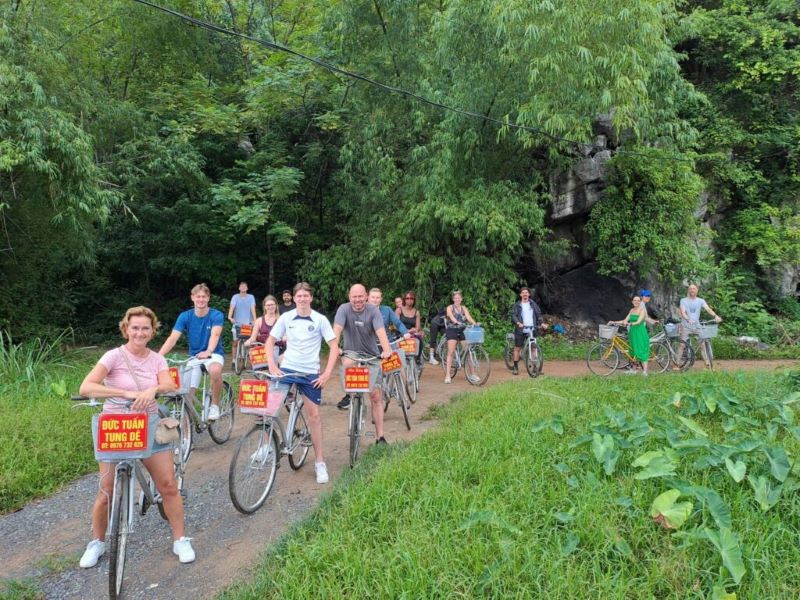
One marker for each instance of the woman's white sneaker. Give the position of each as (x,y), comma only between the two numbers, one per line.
(322,472)
(183,548)
(94,550)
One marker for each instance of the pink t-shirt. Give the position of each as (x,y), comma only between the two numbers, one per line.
(119,375)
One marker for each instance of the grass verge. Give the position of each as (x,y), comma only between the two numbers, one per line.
(486,506)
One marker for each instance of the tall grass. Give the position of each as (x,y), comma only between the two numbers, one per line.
(23,362)
(485,507)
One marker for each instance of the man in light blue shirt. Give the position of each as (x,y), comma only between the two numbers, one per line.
(242,311)
(690,309)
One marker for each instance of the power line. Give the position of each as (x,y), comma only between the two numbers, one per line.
(395,90)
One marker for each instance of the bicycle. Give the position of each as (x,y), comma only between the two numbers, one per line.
(669,332)
(193,410)
(613,352)
(126,439)
(705,332)
(255,461)
(357,381)
(394,385)
(240,358)
(471,356)
(530,353)
(412,369)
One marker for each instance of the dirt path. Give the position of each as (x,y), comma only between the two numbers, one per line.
(45,539)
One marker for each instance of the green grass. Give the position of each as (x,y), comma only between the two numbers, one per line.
(44,442)
(20,589)
(485,507)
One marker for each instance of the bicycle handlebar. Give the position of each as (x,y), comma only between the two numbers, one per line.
(360,357)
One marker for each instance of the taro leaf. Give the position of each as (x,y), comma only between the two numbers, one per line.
(736,469)
(555,424)
(565,517)
(791,398)
(570,544)
(669,513)
(710,396)
(717,507)
(562,468)
(592,480)
(691,405)
(787,415)
(692,425)
(655,464)
(692,443)
(676,400)
(624,501)
(573,482)
(778,462)
(605,452)
(623,547)
(707,460)
(617,417)
(719,593)
(772,431)
(792,484)
(729,425)
(580,441)
(766,495)
(748,446)
(795,431)
(539,425)
(727,544)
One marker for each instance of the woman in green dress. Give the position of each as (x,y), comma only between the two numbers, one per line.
(636,320)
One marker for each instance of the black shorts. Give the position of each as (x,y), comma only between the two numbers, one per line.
(453,333)
(520,338)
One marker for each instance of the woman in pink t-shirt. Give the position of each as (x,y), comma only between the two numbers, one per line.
(129,377)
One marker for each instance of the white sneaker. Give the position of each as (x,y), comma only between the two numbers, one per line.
(183,548)
(94,550)
(448,380)
(433,360)
(213,412)
(322,472)
(261,454)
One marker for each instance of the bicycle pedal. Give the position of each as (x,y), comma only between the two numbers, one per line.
(368,434)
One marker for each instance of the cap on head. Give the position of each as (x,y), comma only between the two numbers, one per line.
(645,293)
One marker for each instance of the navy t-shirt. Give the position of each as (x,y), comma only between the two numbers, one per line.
(198,329)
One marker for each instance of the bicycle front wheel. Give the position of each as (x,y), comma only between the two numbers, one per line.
(602,359)
(240,358)
(534,360)
(709,354)
(659,357)
(253,467)
(477,367)
(118,533)
(186,433)
(354,431)
(221,429)
(412,380)
(399,391)
(508,353)
(298,441)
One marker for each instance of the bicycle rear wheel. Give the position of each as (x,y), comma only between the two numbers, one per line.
(240,358)
(253,467)
(298,440)
(221,429)
(412,379)
(508,353)
(118,532)
(709,354)
(477,367)
(354,430)
(602,359)
(534,360)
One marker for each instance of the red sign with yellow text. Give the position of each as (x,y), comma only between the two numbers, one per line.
(391,364)
(253,395)
(409,345)
(122,433)
(258,356)
(245,330)
(176,376)
(356,379)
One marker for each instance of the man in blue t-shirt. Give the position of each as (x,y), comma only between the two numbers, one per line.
(203,328)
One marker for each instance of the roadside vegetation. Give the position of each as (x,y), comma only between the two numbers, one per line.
(550,488)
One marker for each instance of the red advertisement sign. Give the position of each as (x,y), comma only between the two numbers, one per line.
(258,356)
(176,376)
(253,393)
(122,433)
(245,330)
(409,345)
(391,364)
(356,379)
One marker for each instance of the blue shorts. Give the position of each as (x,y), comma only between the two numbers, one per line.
(304,384)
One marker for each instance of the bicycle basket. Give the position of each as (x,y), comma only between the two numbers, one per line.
(357,379)
(393,363)
(474,335)
(606,332)
(409,346)
(261,397)
(706,332)
(671,329)
(123,436)
(243,332)
(258,357)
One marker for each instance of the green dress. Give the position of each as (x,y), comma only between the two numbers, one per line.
(639,339)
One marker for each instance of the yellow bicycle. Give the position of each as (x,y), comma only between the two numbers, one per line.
(614,352)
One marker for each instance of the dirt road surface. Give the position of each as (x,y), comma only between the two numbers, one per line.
(44,540)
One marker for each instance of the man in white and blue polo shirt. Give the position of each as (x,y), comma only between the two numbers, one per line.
(304,330)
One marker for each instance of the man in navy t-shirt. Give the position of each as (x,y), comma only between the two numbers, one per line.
(203,328)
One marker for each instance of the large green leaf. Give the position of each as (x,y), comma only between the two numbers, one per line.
(658,463)
(736,469)
(669,513)
(778,461)
(692,425)
(766,495)
(605,451)
(727,544)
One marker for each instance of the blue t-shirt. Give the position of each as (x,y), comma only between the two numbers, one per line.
(242,315)
(198,329)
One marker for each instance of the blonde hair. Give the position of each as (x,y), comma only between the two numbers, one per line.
(269,298)
(201,287)
(138,311)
